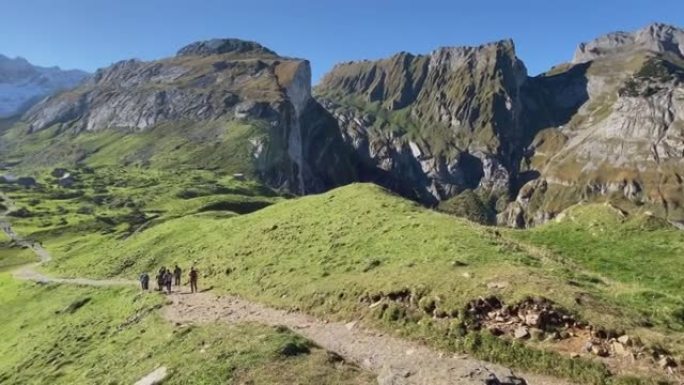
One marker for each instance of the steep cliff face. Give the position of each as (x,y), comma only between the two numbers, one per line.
(232,98)
(439,123)
(624,142)
(607,126)
(23,84)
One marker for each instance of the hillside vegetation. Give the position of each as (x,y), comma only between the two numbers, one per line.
(338,253)
(69,335)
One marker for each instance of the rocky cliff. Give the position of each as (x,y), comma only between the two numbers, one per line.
(23,84)
(607,126)
(624,142)
(440,123)
(225,99)
(462,128)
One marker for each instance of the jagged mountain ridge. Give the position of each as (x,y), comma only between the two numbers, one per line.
(23,84)
(656,37)
(479,122)
(441,122)
(607,125)
(624,143)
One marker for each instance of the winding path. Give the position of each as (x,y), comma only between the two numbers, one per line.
(395,361)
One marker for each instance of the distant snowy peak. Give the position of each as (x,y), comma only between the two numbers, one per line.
(23,84)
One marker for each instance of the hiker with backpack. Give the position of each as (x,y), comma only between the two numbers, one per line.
(145,281)
(168,281)
(177,272)
(160,278)
(193,279)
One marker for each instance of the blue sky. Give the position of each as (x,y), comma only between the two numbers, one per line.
(88,34)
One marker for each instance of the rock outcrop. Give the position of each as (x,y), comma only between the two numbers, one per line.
(222,83)
(607,126)
(441,123)
(624,143)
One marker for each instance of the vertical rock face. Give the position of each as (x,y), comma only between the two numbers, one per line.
(624,140)
(225,84)
(438,123)
(23,84)
(608,125)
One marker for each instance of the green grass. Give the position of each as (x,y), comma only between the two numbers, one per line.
(12,255)
(120,201)
(641,254)
(321,253)
(119,336)
(214,145)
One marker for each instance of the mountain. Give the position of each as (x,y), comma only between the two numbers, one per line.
(464,129)
(23,84)
(442,122)
(624,140)
(656,37)
(221,104)
(608,125)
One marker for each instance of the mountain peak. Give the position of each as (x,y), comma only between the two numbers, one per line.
(656,37)
(223,46)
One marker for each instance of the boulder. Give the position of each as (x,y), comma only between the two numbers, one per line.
(521,333)
(59,172)
(155,377)
(599,350)
(536,334)
(495,331)
(26,181)
(619,348)
(533,319)
(667,362)
(625,340)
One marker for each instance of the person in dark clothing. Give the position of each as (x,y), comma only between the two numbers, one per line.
(168,280)
(160,278)
(193,279)
(177,275)
(145,281)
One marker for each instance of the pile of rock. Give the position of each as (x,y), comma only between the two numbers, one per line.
(540,319)
(536,318)
(626,346)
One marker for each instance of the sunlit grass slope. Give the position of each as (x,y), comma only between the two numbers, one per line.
(116,336)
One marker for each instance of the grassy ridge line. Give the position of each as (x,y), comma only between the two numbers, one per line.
(76,335)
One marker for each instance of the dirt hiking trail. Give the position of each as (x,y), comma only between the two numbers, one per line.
(393,360)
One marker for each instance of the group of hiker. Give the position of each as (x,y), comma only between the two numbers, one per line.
(167,278)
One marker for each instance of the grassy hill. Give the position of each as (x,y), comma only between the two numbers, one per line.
(333,254)
(70,335)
